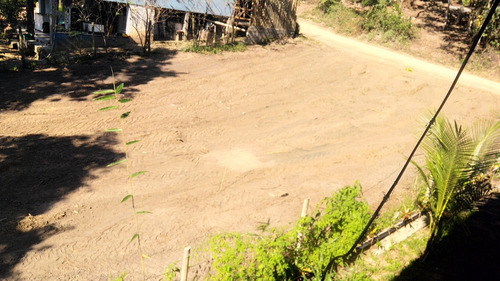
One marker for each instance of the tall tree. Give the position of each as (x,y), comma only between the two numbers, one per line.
(30,16)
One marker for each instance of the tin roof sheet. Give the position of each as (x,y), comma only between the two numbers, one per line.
(212,7)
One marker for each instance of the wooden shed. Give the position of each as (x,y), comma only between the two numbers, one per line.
(262,20)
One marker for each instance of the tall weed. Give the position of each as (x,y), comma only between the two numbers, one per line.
(116,97)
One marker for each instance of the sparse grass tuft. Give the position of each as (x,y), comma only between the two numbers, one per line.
(384,266)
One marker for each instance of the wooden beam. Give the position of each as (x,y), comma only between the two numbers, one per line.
(226,25)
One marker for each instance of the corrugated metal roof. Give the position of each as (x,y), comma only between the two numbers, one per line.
(212,7)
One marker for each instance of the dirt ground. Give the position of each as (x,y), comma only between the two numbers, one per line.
(229,141)
(434,41)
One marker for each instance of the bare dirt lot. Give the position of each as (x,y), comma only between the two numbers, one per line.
(229,141)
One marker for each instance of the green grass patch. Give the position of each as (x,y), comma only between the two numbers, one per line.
(216,49)
(373,265)
(381,22)
(341,19)
(389,22)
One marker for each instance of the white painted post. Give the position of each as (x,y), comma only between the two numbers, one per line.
(185,264)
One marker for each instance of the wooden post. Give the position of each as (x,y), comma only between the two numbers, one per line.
(229,30)
(93,40)
(185,26)
(305,206)
(185,264)
(193,26)
(218,34)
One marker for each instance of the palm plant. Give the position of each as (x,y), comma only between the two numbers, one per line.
(458,168)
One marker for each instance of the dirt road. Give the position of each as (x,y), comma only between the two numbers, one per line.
(229,141)
(344,44)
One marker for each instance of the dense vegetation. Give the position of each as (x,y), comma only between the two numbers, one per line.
(385,18)
(11,12)
(382,17)
(304,251)
(480,9)
(460,163)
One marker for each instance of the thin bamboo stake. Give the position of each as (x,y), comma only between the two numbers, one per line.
(185,264)
(305,206)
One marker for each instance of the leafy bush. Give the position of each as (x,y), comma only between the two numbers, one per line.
(390,21)
(326,5)
(332,231)
(304,251)
(369,2)
(491,35)
(382,16)
(11,11)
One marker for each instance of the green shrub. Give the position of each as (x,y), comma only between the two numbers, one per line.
(332,231)
(369,2)
(305,250)
(382,17)
(491,35)
(326,5)
(389,21)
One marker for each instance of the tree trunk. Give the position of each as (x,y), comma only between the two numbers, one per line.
(185,26)
(149,33)
(30,16)
(94,48)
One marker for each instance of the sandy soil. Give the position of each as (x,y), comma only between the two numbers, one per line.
(229,141)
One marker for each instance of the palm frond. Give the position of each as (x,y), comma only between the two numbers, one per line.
(457,159)
(486,135)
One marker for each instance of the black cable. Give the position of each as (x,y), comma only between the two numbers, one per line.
(431,122)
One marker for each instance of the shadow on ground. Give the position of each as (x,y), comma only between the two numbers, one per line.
(35,172)
(18,90)
(455,34)
(469,252)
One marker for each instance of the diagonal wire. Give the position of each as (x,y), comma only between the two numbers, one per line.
(431,122)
